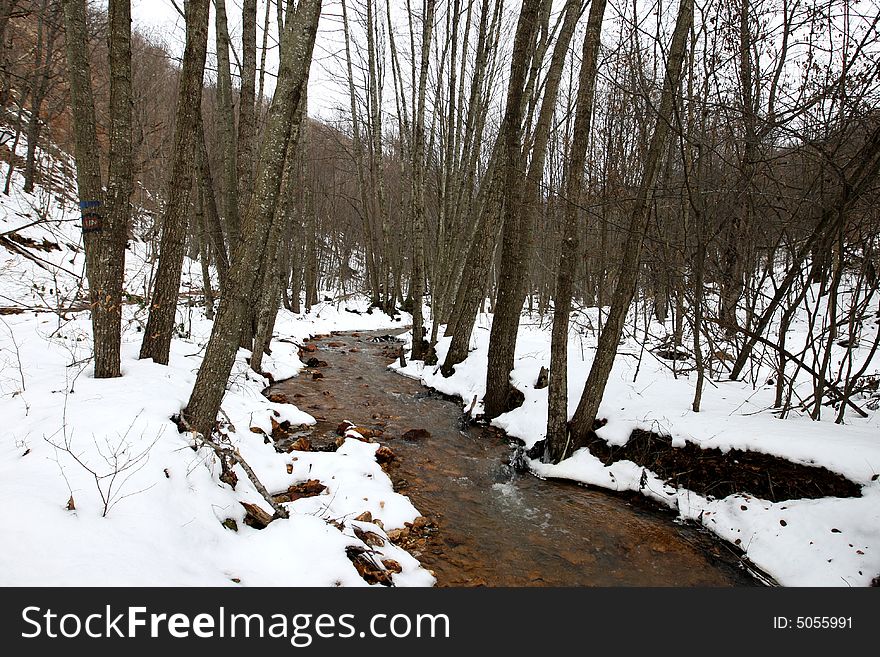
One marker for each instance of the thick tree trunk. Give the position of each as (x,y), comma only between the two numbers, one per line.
(522,206)
(297,45)
(163,306)
(104,241)
(121,183)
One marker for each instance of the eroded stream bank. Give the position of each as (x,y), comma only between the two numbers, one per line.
(495,527)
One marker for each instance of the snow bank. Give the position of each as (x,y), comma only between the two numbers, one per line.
(822,542)
(98,487)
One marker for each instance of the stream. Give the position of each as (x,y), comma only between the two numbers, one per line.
(497,527)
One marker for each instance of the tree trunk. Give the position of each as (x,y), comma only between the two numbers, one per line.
(246,116)
(269,292)
(121,183)
(585,415)
(731,287)
(418,187)
(104,243)
(163,306)
(226,120)
(48,26)
(522,205)
(204,251)
(557,393)
(507,146)
(297,45)
(212,216)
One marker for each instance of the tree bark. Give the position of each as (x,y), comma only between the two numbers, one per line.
(588,407)
(214,226)
(121,182)
(557,393)
(507,146)
(246,115)
(297,45)
(163,306)
(522,206)
(418,187)
(104,246)
(47,25)
(226,120)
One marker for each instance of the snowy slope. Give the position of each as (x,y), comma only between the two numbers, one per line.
(97,485)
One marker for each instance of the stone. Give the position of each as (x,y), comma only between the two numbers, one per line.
(416,434)
(301,444)
(421,522)
(369,432)
(392,565)
(385,455)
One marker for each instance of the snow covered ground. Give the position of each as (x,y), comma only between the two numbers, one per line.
(823,542)
(158,521)
(98,487)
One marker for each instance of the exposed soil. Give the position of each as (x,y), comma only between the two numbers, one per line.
(714,473)
(486,524)
(44,245)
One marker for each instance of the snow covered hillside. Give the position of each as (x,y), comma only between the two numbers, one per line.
(98,485)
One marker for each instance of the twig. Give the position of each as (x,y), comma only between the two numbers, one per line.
(230,452)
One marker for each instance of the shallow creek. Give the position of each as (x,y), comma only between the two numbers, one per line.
(498,527)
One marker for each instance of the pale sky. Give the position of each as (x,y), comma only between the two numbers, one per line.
(161,19)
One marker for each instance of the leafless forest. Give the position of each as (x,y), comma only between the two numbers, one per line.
(702,164)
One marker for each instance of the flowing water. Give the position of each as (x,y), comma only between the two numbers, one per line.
(498,527)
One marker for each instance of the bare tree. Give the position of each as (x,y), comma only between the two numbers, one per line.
(104,243)
(163,305)
(557,400)
(588,407)
(297,46)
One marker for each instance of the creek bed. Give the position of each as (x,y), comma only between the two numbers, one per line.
(497,527)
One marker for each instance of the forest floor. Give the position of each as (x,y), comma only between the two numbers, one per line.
(801,498)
